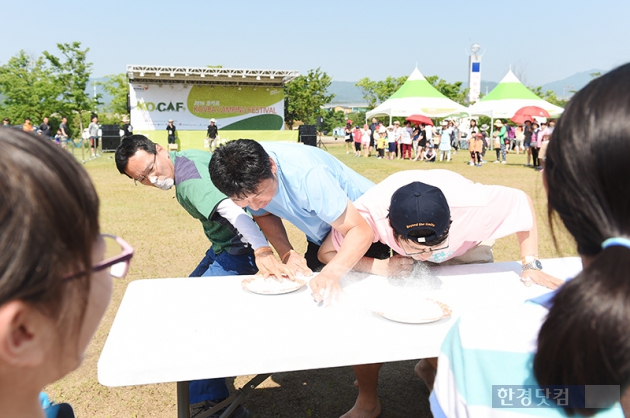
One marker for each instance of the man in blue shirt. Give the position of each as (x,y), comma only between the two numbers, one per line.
(304,185)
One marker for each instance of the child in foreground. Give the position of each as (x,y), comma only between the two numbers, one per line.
(570,347)
(55,266)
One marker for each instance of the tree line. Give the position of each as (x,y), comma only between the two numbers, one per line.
(57,85)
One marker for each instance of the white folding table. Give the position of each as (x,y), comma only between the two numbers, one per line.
(166,329)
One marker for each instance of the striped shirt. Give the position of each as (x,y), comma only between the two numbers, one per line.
(485,348)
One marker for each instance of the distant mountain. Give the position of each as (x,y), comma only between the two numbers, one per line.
(346,93)
(564,88)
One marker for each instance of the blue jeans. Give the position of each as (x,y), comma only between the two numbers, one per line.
(224,264)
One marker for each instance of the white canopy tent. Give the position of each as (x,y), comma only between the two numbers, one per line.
(417,96)
(509,96)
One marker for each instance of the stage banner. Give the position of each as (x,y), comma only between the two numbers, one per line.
(192,106)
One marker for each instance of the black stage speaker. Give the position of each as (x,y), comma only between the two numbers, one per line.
(110,130)
(308,134)
(307,130)
(110,137)
(110,143)
(309,140)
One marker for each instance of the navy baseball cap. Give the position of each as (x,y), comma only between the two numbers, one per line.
(419,206)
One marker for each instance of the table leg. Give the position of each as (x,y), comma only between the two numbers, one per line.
(253,384)
(235,399)
(183,400)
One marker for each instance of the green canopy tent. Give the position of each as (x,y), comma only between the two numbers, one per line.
(416,97)
(509,96)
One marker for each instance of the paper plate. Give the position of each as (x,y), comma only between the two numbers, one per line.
(270,286)
(420,311)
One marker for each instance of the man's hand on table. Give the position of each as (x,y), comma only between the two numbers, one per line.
(297,263)
(528,277)
(268,265)
(393,266)
(325,288)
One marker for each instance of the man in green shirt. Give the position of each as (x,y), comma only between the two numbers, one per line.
(238,246)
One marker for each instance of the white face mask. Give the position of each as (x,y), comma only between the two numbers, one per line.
(162,183)
(440,256)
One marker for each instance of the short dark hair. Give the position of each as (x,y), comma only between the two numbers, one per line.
(128,147)
(588,323)
(237,167)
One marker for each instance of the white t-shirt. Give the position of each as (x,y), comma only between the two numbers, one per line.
(405,137)
(391,136)
(397,133)
(429,132)
(479,212)
(365,137)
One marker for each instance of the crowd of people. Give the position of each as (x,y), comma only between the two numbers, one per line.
(62,135)
(424,142)
(45,129)
(56,266)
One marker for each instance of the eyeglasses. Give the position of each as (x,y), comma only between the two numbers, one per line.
(118,254)
(428,250)
(147,172)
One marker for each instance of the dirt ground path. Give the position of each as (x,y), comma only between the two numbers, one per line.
(328,393)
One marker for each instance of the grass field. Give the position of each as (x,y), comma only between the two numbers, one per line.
(169,243)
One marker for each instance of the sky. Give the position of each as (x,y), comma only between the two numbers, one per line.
(542,41)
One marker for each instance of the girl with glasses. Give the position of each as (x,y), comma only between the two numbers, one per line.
(55,267)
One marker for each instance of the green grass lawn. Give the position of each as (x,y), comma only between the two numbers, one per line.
(169,243)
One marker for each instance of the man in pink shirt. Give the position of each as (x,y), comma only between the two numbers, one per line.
(437,215)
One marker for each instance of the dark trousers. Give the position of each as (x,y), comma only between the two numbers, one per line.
(377,250)
(535,161)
